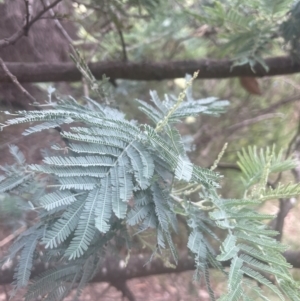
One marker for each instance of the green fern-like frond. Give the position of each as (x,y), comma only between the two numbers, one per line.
(281,191)
(103,211)
(23,271)
(255,252)
(161,207)
(138,214)
(141,209)
(12,182)
(48,280)
(57,199)
(85,230)
(115,177)
(17,174)
(291,291)
(253,162)
(64,226)
(228,248)
(44,126)
(17,154)
(184,170)
(247,246)
(191,107)
(70,172)
(261,279)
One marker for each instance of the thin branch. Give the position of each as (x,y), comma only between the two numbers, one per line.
(291,83)
(15,80)
(59,25)
(12,236)
(44,72)
(251,121)
(124,52)
(28,8)
(111,270)
(285,205)
(290,149)
(6,293)
(24,30)
(223,165)
(280,103)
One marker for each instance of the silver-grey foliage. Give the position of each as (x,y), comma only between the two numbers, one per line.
(114,176)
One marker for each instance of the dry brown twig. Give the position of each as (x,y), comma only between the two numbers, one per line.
(253,120)
(15,80)
(12,236)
